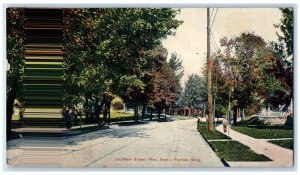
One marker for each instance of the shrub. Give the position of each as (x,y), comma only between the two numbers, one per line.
(289,121)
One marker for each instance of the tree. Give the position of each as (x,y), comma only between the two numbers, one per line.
(287,28)
(156,59)
(245,63)
(195,93)
(133,32)
(15,58)
(282,51)
(116,40)
(165,89)
(85,71)
(175,64)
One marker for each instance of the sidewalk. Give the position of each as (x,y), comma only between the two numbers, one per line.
(281,157)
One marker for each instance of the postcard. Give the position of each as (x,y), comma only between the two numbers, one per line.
(98,87)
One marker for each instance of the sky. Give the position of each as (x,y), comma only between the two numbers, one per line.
(189,41)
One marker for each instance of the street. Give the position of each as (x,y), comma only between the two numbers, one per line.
(150,144)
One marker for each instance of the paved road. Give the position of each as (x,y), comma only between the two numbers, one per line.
(154,144)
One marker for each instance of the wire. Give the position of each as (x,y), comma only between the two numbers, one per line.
(214,18)
(212,13)
(214,42)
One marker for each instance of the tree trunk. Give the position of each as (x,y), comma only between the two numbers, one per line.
(86,109)
(165,113)
(11,96)
(136,110)
(143,112)
(97,111)
(235,115)
(159,112)
(105,113)
(109,104)
(134,115)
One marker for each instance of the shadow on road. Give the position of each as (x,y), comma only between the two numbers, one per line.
(132,130)
(132,123)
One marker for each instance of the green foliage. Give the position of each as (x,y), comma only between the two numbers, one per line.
(283,54)
(166,88)
(175,65)
(105,49)
(287,28)
(15,49)
(195,93)
(289,121)
(130,87)
(15,58)
(243,73)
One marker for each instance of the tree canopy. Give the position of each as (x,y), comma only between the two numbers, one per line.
(194,94)
(107,51)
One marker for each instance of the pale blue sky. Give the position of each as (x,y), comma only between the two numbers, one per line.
(190,37)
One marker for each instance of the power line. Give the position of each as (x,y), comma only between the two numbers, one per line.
(214,18)
(212,13)
(214,41)
(215,45)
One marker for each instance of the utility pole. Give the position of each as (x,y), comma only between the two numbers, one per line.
(209,83)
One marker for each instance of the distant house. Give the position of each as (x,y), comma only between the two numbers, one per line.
(185,111)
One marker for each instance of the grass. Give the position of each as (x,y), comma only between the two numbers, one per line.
(289,144)
(119,116)
(235,151)
(115,114)
(180,117)
(264,132)
(229,150)
(212,135)
(122,116)
(15,117)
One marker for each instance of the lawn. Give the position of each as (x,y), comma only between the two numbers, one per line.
(202,128)
(122,116)
(264,132)
(119,116)
(235,151)
(289,144)
(115,114)
(15,117)
(229,150)
(180,117)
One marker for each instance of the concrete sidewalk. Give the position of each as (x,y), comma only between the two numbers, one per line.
(281,157)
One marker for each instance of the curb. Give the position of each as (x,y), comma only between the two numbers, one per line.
(225,163)
(67,133)
(74,133)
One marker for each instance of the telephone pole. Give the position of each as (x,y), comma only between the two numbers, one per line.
(209,83)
